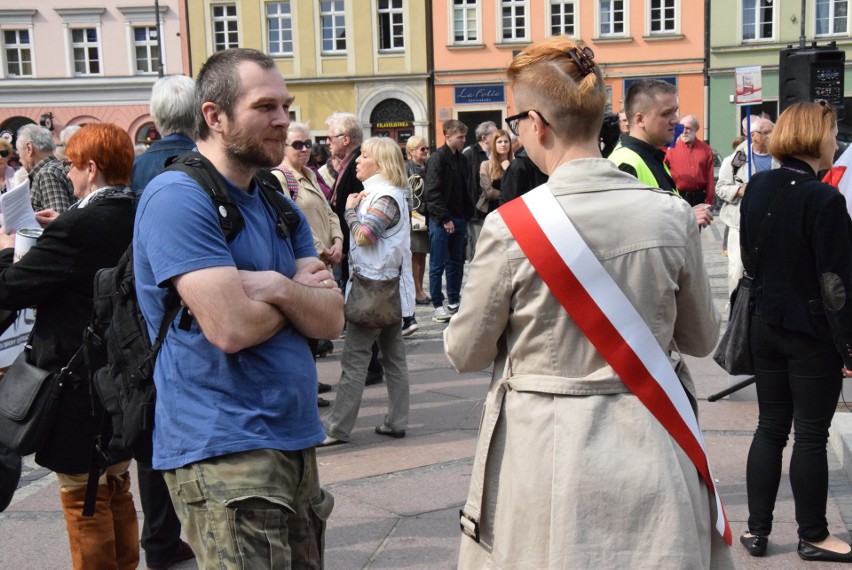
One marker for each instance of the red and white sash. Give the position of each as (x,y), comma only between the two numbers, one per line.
(596,303)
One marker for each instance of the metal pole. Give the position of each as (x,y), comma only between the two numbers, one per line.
(160,38)
(802,20)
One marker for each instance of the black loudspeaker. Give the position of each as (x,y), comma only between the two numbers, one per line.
(811,74)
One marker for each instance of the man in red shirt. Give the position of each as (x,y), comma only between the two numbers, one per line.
(691,165)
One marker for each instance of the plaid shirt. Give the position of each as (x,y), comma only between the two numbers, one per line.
(49,186)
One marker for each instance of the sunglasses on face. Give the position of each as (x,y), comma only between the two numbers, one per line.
(299,145)
(5,153)
(424,149)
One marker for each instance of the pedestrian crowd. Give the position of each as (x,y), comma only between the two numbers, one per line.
(583,316)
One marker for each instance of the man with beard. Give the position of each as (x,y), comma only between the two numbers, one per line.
(236,418)
(691,164)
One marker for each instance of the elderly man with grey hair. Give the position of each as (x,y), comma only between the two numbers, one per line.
(50,188)
(173,110)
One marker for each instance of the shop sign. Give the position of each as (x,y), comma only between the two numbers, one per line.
(473,94)
(392,125)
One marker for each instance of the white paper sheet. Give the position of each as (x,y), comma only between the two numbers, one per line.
(17,210)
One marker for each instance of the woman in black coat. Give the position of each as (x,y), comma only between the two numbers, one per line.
(801,326)
(56,276)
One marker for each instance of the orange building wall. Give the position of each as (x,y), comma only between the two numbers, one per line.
(638,56)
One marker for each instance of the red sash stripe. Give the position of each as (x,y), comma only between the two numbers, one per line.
(606,338)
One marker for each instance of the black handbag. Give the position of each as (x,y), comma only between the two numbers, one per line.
(29,399)
(734,351)
(373,303)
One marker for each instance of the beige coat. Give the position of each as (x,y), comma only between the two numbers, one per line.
(579,474)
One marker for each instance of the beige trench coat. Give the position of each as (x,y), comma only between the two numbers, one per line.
(579,474)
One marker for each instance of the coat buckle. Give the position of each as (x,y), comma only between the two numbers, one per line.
(469,525)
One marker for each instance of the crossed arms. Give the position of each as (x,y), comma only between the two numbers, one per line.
(240,309)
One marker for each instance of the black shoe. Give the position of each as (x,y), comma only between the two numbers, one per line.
(324,348)
(385,430)
(375,378)
(182,552)
(756,545)
(322,388)
(426,301)
(808,551)
(322,402)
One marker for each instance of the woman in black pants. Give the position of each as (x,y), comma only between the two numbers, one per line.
(801,334)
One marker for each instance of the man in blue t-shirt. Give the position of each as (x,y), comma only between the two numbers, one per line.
(236,418)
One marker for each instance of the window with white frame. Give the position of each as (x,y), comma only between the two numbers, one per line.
(146,50)
(563,18)
(832,17)
(333,24)
(662,18)
(225,31)
(465,21)
(391,27)
(757,19)
(86,50)
(611,17)
(279,28)
(19,55)
(513,19)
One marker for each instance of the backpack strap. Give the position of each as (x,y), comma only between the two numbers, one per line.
(292,183)
(286,218)
(197,167)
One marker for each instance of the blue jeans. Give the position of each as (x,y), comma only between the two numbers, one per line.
(446,253)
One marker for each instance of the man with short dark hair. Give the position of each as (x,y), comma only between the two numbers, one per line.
(236,418)
(50,188)
(651,107)
(476,154)
(449,206)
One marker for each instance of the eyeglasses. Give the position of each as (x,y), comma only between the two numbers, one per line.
(424,149)
(583,60)
(764,133)
(67,164)
(339,136)
(5,153)
(512,122)
(299,145)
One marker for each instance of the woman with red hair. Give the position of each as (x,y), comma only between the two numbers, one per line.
(56,276)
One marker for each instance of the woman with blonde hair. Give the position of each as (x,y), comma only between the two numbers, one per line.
(6,171)
(574,467)
(415,167)
(801,325)
(380,249)
(491,171)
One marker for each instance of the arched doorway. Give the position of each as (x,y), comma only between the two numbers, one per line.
(12,125)
(146,134)
(392,118)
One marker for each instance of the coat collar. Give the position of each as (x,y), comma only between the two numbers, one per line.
(576,176)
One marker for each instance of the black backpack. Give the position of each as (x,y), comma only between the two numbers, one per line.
(120,353)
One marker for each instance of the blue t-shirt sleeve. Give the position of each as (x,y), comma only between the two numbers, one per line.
(178,228)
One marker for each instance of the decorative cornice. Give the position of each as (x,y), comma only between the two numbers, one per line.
(140,13)
(79,91)
(17,17)
(80,15)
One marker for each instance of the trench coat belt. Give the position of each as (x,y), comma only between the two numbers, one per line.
(470,515)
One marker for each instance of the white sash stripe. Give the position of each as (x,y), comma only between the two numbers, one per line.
(609,297)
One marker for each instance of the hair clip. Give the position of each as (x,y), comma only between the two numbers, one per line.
(583,59)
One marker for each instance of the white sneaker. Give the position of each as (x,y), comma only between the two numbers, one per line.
(441,315)
(453,308)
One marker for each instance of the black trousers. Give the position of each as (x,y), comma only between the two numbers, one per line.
(798,382)
(694,197)
(161,527)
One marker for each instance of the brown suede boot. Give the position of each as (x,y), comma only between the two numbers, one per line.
(91,539)
(125,523)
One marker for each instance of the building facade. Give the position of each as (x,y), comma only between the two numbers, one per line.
(368,57)
(476,39)
(64,62)
(760,30)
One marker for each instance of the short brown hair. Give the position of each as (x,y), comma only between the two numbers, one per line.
(801,129)
(642,92)
(107,146)
(454,126)
(570,99)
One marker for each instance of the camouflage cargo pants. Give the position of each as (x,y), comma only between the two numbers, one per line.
(255,509)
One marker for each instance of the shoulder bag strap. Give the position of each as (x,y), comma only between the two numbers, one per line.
(765,225)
